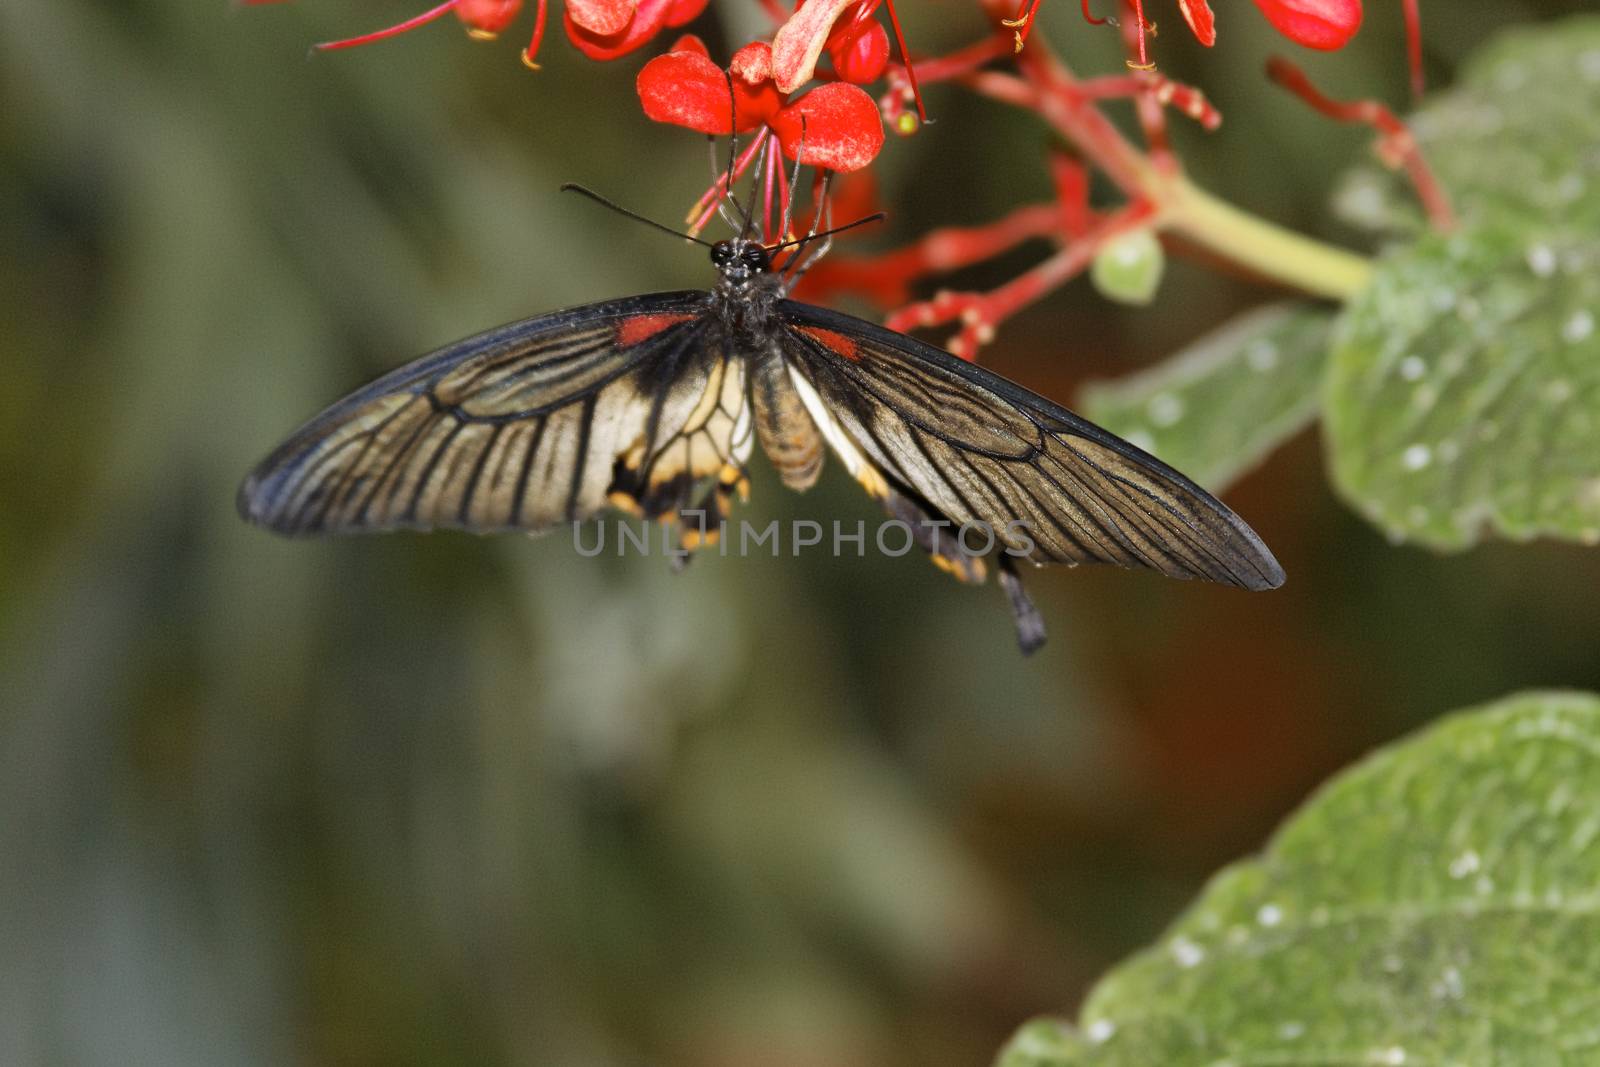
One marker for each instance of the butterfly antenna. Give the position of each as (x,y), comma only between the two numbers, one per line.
(716,179)
(574,187)
(733,156)
(876,216)
(804,256)
(794,182)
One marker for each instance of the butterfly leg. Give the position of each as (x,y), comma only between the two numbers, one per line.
(935,535)
(1030,624)
(938,537)
(703,523)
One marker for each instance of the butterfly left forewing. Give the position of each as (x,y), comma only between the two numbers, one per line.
(536,423)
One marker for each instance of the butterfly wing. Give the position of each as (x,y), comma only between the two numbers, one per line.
(629,402)
(978,448)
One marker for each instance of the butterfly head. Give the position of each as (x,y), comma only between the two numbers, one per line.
(740,260)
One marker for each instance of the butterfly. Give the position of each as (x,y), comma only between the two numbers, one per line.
(652,405)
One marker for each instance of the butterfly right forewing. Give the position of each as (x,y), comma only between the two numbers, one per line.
(978,448)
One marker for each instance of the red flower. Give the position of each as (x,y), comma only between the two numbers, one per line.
(486,18)
(1324,24)
(842,128)
(819,25)
(647,20)
(1197,13)
(834,126)
(858,46)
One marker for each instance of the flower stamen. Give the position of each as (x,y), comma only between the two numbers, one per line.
(1022,23)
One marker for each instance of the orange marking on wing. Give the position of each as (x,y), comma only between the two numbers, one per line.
(636,328)
(833,341)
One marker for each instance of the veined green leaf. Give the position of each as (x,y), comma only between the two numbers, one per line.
(1216,408)
(1464,391)
(1439,903)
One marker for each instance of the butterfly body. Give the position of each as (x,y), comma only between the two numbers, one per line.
(652,405)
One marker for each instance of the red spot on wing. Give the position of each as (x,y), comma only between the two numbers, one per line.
(834,341)
(636,328)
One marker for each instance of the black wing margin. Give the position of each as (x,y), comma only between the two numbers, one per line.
(535,423)
(979,448)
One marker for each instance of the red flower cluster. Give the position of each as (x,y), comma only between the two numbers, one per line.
(767,91)
(600,29)
(1325,24)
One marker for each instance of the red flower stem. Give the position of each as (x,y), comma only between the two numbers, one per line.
(529,53)
(392,31)
(1414,44)
(1396,145)
(981,313)
(1071,179)
(1151,113)
(1052,94)
(1186,98)
(1138,32)
(905,57)
(887,278)
(963,61)
(1089,18)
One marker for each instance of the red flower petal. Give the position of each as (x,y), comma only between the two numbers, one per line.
(646,22)
(487,16)
(690,43)
(1197,13)
(842,127)
(603,18)
(687,89)
(752,64)
(861,57)
(798,44)
(1324,24)
(682,11)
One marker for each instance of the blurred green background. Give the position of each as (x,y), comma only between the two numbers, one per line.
(431,800)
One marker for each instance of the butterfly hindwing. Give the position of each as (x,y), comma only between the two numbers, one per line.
(630,402)
(978,448)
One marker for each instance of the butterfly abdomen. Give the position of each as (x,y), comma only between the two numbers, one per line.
(788,435)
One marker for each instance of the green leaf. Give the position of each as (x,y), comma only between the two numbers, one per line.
(1462,390)
(1439,903)
(1516,135)
(1216,408)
